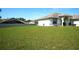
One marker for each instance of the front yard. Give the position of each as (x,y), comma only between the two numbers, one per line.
(39,38)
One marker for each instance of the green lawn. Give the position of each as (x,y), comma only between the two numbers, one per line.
(39,38)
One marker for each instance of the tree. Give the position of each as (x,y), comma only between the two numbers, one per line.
(18,19)
(13,19)
(0,13)
(0,10)
(21,19)
(0,17)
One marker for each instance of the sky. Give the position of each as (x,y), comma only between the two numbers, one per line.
(34,13)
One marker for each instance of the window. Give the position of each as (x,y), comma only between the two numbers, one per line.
(54,21)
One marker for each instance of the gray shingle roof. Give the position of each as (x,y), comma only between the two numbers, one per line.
(57,15)
(75,16)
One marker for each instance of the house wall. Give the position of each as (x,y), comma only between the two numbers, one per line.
(49,22)
(76,23)
(45,23)
(31,22)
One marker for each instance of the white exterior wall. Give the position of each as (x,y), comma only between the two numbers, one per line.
(45,23)
(77,23)
(31,22)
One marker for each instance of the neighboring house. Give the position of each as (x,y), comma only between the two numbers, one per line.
(2,20)
(31,22)
(58,19)
(13,21)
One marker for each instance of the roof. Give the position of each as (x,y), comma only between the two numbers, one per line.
(75,16)
(57,15)
(64,15)
(13,21)
(2,20)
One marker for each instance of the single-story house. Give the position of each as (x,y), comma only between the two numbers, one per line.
(32,22)
(13,21)
(58,19)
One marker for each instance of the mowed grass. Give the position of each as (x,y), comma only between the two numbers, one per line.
(39,38)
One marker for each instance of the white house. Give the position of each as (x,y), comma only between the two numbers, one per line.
(76,20)
(31,22)
(57,19)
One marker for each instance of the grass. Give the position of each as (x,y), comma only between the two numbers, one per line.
(39,38)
